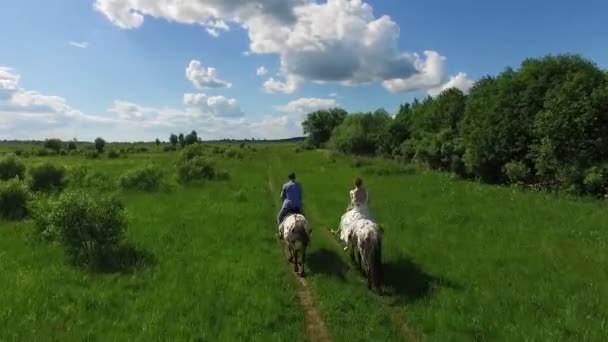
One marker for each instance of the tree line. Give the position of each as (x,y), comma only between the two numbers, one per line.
(544,125)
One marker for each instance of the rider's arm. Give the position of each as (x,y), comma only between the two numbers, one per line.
(282,193)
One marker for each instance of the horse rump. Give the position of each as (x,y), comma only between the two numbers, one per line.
(297,239)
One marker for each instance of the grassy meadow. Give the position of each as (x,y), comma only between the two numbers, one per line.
(462,261)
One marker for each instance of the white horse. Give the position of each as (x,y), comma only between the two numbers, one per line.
(365,242)
(295,231)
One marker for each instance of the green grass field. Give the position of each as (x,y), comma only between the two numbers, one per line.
(462,261)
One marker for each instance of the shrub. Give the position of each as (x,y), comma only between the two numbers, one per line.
(195,169)
(90,228)
(92,154)
(71,146)
(112,154)
(47,177)
(218,150)
(147,178)
(516,172)
(44,152)
(82,176)
(596,181)
(53,144)
(169,148)
(18,152)
(11,167)
(13,199)
(192,152)
(63,153)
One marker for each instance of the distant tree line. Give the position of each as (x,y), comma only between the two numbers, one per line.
(544,125)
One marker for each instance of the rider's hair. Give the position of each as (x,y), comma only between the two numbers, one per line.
(292,176)
(358,181)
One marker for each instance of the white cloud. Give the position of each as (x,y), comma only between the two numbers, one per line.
(460,81)
(289,86)
(204,78)
(218,106)
(307,105)
(333,95)
(26,114)
(81,45)
(334,41)
(261,71)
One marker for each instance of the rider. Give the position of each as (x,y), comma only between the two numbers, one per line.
(291,195)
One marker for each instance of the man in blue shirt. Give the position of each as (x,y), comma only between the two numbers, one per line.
(291,195)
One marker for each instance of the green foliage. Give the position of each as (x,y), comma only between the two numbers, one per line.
(91,154)
(596,181)
(147,178)
(71,146)
(320,124)
(11,167)
(45,152)
(113,154)
(85,177)
(182,140)
(100,144)
(195,169)
(173,139)
(191,138)
(169,148)
(193,151)
(361,133)
(13,199)
(517,172)
(90,227)
(47,177)
(53,144)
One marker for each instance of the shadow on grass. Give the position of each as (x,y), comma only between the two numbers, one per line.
(127,258)
(409,283)
(328,262)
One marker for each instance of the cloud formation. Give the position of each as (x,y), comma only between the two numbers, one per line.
(459,81)
(27,114)
(261,71)
(307,104)
(81,45)
(204,78)
(334,41)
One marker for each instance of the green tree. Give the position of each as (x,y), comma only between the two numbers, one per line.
(157,143)
(361,133)
(182,141)
(191,138)
(53,144)
(173,139)
(320,124)
(100,144)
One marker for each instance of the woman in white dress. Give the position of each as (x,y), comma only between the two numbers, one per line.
(356,210)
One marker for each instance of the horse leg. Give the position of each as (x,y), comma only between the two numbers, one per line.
(295,260)
(303,261)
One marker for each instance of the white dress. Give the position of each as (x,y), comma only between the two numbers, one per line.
(358,210)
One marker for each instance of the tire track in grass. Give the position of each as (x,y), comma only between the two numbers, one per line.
(398,322)
(315,325)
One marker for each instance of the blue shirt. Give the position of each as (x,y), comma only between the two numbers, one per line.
(291,195)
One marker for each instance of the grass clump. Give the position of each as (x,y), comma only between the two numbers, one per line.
(13,199)
(82,176)
(147,178)
(47,177)
(195,170)
(11,167)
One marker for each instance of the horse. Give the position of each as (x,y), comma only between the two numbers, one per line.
(296,233)
(365,244)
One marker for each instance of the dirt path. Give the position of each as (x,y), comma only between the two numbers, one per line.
(315,325)
(398,322)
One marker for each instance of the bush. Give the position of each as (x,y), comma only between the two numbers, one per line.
(82,176)
(63,153)
(192,152)
(169,148)
(13,200)
(19,152)
(112,154)
(53,144)
(47,177)
(147,178)
(100,144)
(517,172)
(195,169)
(361,133)
(90,228)
(91,154)
(11,167)
(596,181)
(230,153)
(71,146)
(45,152)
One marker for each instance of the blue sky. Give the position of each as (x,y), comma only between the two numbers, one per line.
(127,78)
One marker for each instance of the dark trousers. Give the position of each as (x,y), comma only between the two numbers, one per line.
(286,211)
